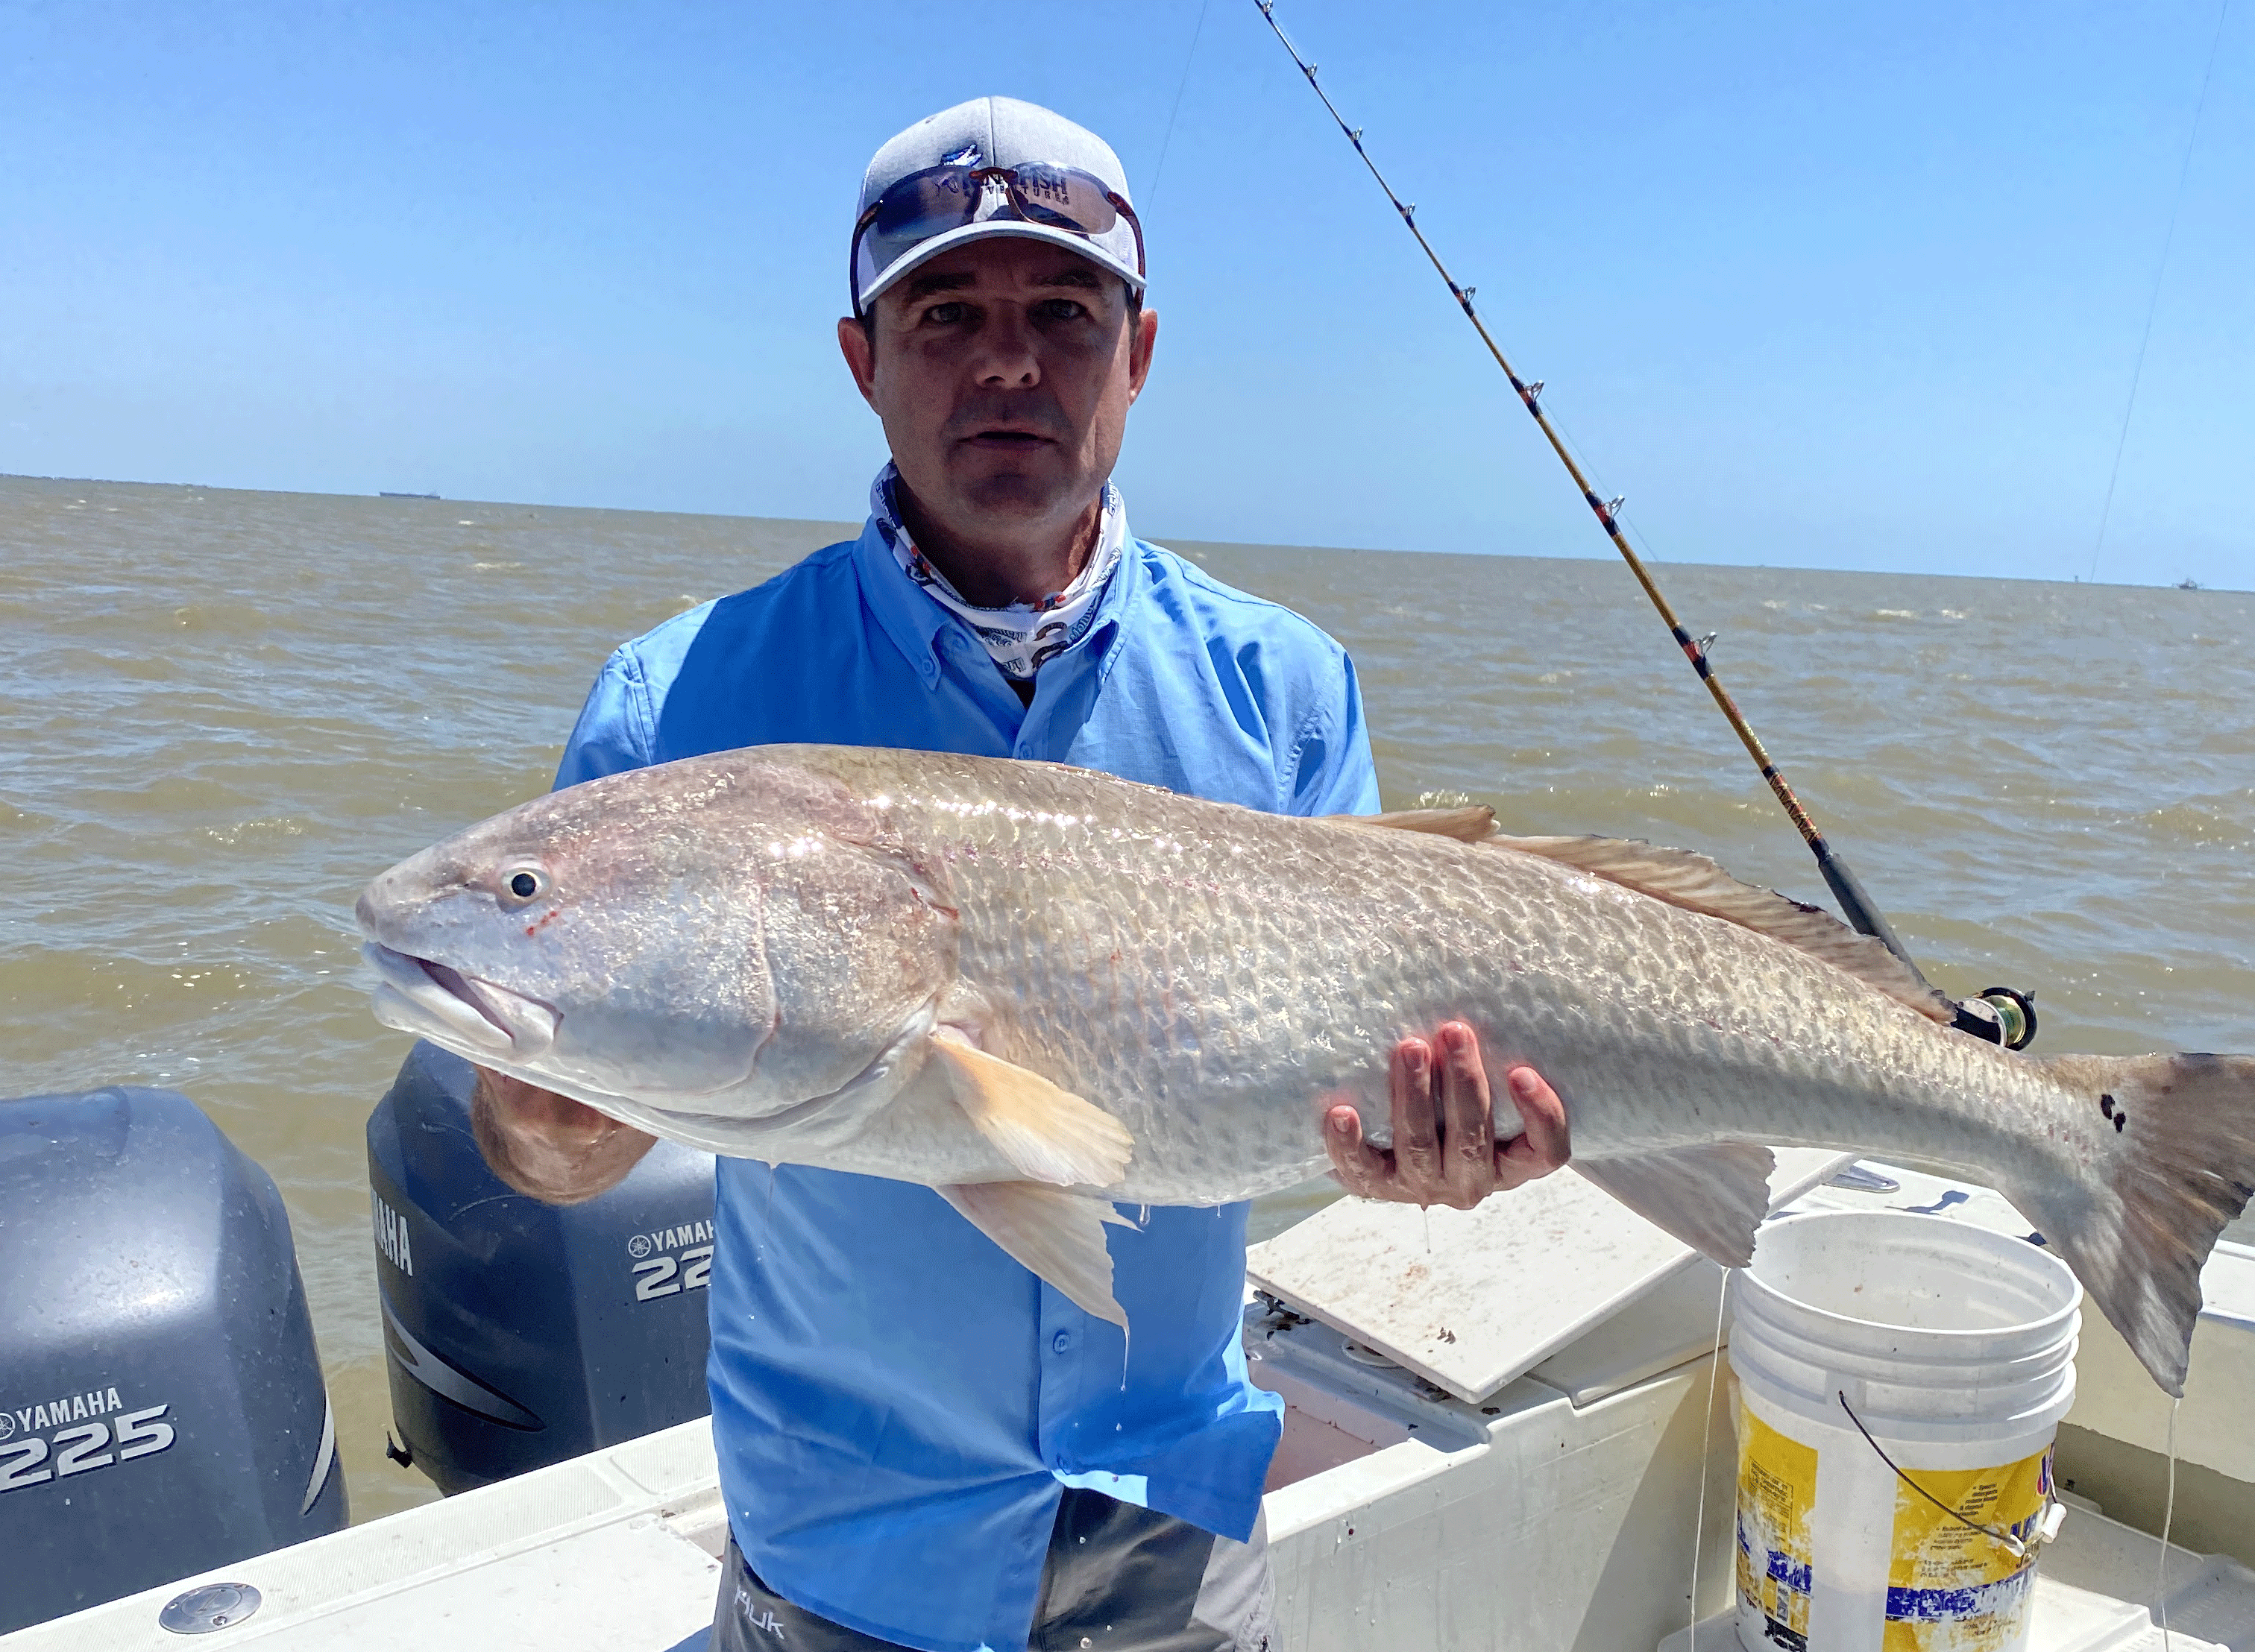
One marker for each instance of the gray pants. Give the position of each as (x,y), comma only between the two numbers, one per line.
(1118,1578)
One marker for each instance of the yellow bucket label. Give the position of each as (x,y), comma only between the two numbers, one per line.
(1953,1589)
(1777,1500)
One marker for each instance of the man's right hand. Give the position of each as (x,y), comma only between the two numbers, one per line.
(549,1146)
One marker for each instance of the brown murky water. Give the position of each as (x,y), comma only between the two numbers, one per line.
(221,712)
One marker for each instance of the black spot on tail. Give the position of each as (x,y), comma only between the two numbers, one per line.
(2138,1243)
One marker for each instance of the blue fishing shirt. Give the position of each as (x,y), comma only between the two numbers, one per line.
(896,1403)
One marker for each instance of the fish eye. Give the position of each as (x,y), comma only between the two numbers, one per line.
(524,884)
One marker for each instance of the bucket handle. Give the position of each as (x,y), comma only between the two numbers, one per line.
(2047,1526)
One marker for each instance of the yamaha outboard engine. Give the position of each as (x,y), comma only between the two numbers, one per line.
(519,1333)
(161,1405)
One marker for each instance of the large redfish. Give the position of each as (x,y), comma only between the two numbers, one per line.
(1043,990)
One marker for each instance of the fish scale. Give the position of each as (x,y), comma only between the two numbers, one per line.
(977,974)
(1639,1012)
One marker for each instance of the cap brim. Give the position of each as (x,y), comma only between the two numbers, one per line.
(923,252)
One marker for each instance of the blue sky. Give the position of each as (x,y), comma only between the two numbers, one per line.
(1855,287)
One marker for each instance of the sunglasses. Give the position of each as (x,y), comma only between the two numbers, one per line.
(939,198)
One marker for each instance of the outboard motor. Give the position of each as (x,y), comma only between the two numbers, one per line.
(518,1333)
(161,1405)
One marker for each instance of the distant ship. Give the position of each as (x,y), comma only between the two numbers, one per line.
(386,495)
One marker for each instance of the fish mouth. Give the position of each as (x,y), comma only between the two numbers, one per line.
(467,1015)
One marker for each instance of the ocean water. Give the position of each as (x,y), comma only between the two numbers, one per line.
(221,712)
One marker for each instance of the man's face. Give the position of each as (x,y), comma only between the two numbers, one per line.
(1003,370)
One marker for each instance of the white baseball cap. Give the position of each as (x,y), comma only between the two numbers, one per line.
(916,201)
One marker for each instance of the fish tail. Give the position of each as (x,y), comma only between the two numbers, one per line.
(2177,1163)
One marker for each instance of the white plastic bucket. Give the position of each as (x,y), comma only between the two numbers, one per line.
(1954,1347)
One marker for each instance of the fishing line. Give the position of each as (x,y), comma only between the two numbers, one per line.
(2153,302)
(2168,1515)
(1706,1439)
(1152,194)
(1855,904)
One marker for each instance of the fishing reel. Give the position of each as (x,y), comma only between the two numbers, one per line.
(2000,1015)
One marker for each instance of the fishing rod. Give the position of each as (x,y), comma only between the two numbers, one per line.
(1999,1014)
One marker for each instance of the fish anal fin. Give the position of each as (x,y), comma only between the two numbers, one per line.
(1684,877)
(1472,823)
(1711,1197)
(1046,1132)
(1058,1236)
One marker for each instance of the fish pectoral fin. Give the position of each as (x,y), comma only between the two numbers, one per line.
(1712,1198)
(1472,823)
(1049,1134)
(1058,1236)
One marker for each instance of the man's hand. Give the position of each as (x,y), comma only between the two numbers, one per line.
(1444,1151)
(549,1146)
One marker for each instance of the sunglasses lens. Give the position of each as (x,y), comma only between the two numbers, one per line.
(939,198)
(1064,196)
(920,206)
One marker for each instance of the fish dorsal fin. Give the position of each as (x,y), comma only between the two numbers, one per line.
(1473,823)
(1683,877)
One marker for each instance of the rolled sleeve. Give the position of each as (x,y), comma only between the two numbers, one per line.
(616,730)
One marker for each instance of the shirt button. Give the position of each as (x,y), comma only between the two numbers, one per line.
(1061,1341)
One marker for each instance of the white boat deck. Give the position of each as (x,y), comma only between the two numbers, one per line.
(1554,1512)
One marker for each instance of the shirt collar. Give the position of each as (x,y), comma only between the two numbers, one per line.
(915,623)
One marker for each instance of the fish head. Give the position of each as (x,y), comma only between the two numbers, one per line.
(716,934)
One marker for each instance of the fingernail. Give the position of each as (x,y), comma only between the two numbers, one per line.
(1523,1082)
(1456,1038)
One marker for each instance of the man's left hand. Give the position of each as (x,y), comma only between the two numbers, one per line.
(1444,1149)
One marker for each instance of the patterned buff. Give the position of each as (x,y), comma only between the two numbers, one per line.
(1025,633)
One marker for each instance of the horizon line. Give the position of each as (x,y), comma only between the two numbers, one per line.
(1168,543)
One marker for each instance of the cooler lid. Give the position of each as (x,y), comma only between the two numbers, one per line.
(1471,1299)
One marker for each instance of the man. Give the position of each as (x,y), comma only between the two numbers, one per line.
(921,1444)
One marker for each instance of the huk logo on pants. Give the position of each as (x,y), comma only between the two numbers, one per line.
(766,1621)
